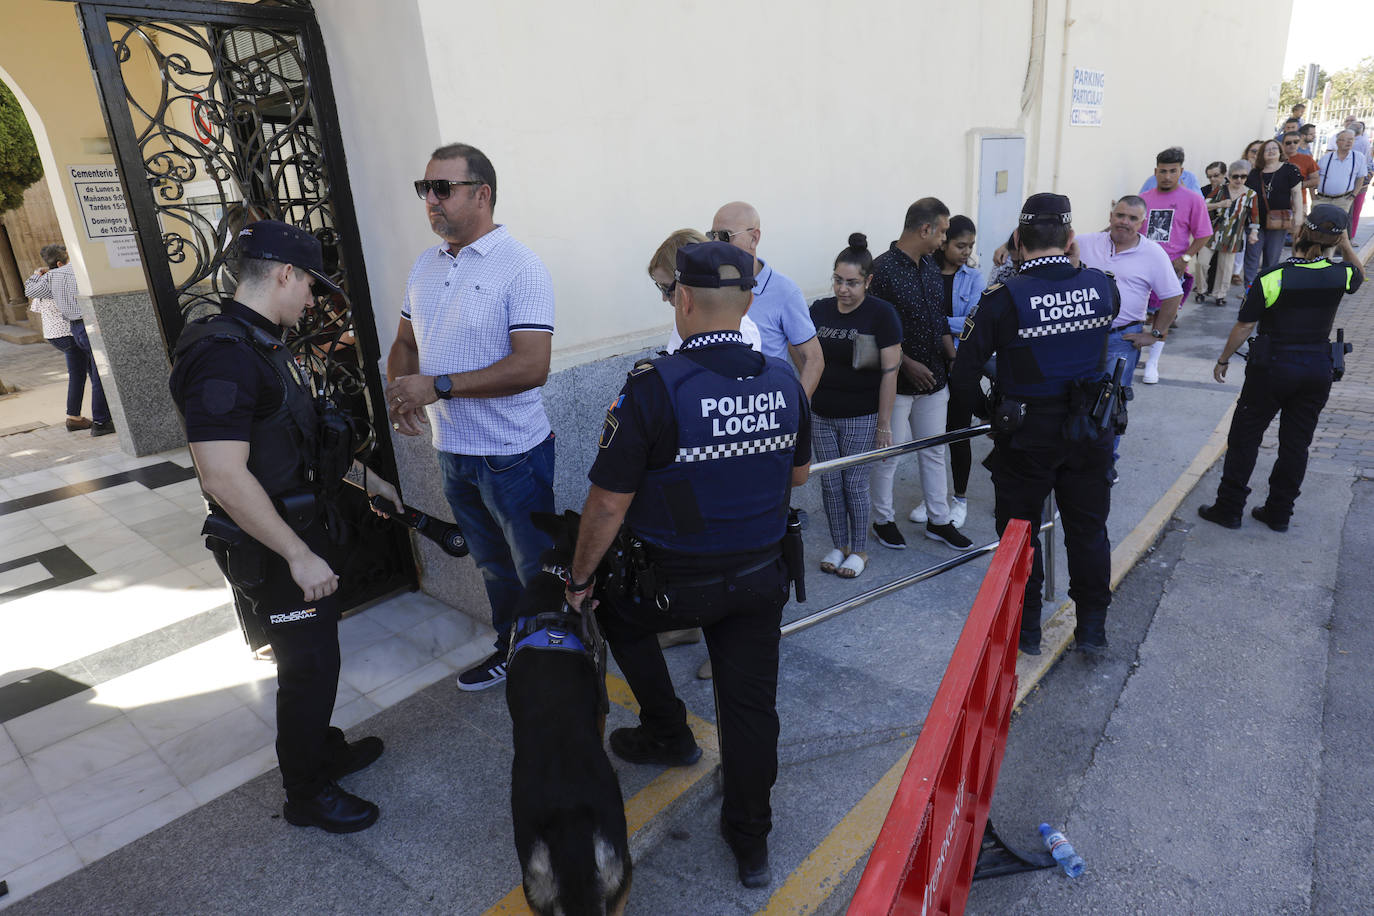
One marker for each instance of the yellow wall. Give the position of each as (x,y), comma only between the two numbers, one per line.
(43,59)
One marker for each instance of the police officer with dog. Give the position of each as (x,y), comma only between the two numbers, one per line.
(698,456)
(1289,368)
(1058,409)
(271,457)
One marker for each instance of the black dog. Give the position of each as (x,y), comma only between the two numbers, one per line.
(566,804)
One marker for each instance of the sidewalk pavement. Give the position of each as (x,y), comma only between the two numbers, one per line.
(851,698)
(1230,773)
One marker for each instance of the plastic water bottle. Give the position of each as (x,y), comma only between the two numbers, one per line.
(1062,850)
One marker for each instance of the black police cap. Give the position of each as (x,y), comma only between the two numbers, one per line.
(1328,219)
(700,265)
(271,240)
(1046,208)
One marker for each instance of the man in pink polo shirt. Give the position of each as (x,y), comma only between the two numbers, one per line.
(1178,221)
(1142,271)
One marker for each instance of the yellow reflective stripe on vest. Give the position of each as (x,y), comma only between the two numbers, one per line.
(1272,283)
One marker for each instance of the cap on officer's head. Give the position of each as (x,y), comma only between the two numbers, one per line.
(1327,219)
(271,240)
(1046,208)
(712,265)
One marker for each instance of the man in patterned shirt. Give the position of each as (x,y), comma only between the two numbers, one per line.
(471,353)
(906,275)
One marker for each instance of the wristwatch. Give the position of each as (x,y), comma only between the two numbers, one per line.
(1156,333)
(1185,258)
(443,387)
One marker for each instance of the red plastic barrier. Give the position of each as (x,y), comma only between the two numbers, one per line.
(923,859)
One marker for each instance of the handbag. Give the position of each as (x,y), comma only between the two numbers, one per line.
(1279,219)
(865,353)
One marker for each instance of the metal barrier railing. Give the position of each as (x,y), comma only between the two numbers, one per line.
(896,585)
(893,451)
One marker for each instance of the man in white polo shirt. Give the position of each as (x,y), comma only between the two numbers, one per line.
(1141,267)
(471,353)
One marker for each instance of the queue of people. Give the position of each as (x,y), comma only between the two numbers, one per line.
(700,449)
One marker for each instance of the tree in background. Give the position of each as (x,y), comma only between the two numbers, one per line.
(1353,87)
(20,167)
(1290,93)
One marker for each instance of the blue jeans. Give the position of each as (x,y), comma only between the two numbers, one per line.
(492,497)
(1117,348)
(80,364)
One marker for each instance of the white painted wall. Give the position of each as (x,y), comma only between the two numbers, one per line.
(385,105)
(613,123)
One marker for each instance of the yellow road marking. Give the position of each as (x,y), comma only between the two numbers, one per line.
(650,801)
(828,864)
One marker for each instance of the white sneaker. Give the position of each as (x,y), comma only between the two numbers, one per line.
(958,511)
(1151,375)
(918,515)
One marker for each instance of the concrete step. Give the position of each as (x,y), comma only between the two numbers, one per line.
(19,334)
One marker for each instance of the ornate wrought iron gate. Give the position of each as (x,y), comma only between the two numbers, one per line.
(221,114)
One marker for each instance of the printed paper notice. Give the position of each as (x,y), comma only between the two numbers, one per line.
(1086,107)
(123,252)
(101,199)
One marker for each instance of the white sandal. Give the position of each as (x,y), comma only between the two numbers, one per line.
(851,567)
(832,560)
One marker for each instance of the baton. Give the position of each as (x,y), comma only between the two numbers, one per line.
(448,536)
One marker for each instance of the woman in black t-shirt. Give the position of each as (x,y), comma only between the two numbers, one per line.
(861,338)
(1278,186)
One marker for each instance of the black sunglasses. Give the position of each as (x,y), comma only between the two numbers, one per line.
(666,289)
(441,187)
(725,235)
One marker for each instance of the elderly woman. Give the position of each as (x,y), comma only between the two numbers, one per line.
(53,290)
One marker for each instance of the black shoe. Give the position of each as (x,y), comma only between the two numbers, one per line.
(638,746)
(1116,476)
(353,756)
(489,672)
(1217,517)
(949,534)
(754,870)
(102,429)
(1094,644)
(1264,514)
(888,535)
(1028,644)
(333,810)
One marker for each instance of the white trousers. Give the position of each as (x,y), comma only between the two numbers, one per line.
(916,417)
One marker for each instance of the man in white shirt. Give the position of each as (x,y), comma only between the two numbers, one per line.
(470,356)
(1344,172)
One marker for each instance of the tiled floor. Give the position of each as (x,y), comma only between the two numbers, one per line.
(127,695)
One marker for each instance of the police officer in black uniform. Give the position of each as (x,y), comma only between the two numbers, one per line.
(1289,368)
(269,458)
(1048,326)
(698,456)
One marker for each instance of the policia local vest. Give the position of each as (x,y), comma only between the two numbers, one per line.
(282,447)
(1300,300)
(727,488)
(1062,334)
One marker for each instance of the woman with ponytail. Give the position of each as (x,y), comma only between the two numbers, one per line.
(861,339)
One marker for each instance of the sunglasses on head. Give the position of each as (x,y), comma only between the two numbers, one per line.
(441,187)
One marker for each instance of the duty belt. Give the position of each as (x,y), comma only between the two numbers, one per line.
(722,577)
